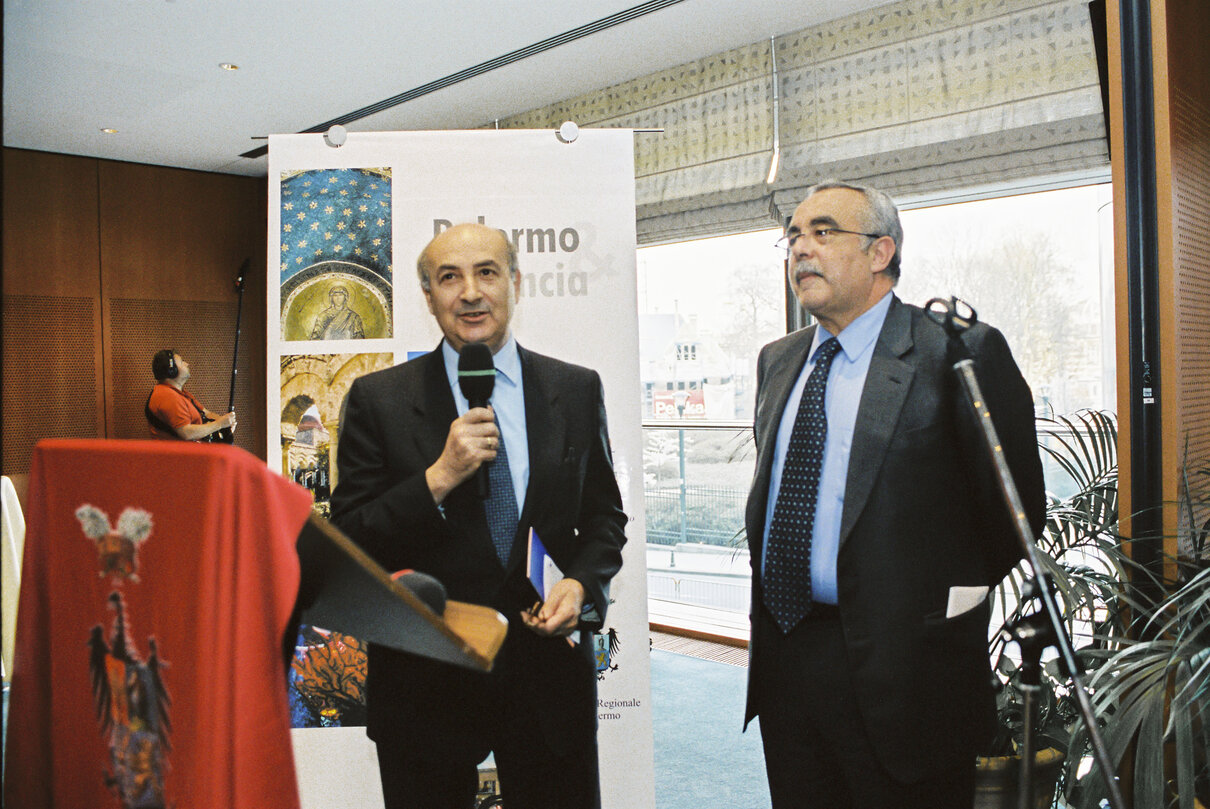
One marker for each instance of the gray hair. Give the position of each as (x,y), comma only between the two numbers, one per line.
(883,217)
(422,270)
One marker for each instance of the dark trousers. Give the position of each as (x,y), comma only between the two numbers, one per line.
(411,782)
(531,777)
(817,751)
(422,773)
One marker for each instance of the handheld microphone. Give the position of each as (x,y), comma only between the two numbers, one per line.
(476,380)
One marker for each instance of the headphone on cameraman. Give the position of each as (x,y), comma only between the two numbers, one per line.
(163,365)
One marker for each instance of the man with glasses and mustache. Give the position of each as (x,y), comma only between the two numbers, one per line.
(876,527)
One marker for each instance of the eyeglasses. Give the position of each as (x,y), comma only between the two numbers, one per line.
(822,235)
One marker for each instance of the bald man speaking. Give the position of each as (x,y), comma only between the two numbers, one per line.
(411,448)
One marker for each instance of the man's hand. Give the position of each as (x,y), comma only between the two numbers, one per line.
(560,615)
(472,441)
(196,432)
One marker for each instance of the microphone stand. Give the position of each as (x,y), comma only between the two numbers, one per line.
(239,311)
(1038,630)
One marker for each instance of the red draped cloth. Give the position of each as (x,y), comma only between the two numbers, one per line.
(157,583)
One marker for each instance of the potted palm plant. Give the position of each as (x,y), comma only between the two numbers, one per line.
(1147,662)
(1152,700)
(1080,556)
(1151,690)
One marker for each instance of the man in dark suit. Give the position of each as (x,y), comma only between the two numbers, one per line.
(875,527)
(409,449)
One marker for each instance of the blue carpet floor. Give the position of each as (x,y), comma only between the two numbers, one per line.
(701,758)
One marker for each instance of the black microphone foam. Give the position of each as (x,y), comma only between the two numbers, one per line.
(476,380)
(476,373)
(424,587)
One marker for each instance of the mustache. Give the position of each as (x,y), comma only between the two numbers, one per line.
(802,267)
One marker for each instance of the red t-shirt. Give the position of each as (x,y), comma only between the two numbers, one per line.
(176,408)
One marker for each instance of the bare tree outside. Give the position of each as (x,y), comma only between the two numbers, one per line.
(1024,288)
(755,306)
(1029,266)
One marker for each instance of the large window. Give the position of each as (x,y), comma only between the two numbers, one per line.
(705,309)
(1037,266)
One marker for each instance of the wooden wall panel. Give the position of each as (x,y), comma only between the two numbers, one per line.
(106,263)
(1185,248)
(52,359)
(50,225)
(173,234)
(172,243)
(52,380)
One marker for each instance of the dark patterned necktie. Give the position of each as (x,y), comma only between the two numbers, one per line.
(501,504)
(787,578)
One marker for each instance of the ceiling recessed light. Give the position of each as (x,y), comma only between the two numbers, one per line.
(109,130)
(228,66)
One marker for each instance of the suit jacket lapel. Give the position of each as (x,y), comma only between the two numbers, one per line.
(779,379)
(886,387)
(781,375)
(434,406)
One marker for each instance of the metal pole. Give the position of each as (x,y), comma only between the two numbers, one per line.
(681,454)
(1143,294)
(950,316)
(965,370)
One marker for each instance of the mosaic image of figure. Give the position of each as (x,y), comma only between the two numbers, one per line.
(336,272)
(335,300)
(339,321)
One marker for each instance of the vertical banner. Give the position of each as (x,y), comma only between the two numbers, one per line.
(346,225)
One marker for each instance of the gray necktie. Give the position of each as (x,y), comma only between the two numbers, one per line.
(786,582)
(501,504)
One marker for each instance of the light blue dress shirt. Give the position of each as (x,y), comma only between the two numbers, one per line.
(846,381)
(508,400)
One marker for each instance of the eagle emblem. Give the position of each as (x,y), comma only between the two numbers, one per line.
(128,692)
(132,708)
(605,646)
(116,548)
